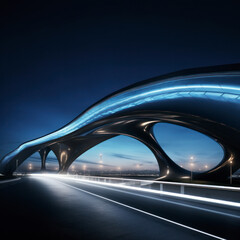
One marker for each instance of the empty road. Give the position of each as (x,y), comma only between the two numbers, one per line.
(40,206)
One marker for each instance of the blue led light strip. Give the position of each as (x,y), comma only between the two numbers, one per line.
(122,102)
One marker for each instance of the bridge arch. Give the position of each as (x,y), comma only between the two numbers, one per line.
(206,100)
(118,154)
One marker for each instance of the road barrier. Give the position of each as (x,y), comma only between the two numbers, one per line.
(226,193)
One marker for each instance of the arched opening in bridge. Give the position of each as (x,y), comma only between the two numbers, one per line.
(119,156)
(52,164)
(30,165)
(188,148)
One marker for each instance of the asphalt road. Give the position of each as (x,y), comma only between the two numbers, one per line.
(42,207)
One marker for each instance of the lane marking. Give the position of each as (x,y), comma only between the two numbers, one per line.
(10,180)
(144,212)
(162,200)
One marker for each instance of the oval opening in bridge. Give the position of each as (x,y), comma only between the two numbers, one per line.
(120,156)
(189,149)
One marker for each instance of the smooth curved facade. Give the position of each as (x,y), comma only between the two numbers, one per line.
(206,100)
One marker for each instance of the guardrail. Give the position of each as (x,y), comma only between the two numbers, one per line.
(199,190)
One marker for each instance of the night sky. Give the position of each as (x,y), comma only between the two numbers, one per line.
(58,58)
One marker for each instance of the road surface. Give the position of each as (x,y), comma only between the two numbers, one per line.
(46,207)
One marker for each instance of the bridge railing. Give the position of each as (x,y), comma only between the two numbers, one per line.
(226,193)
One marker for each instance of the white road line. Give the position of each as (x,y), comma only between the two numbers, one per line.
(10,180)
(141,211)
(162,200)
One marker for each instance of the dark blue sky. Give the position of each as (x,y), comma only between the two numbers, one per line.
(57,58)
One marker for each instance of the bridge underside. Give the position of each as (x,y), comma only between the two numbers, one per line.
(207,102)
(140,126)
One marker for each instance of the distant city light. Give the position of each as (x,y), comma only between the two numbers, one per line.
(30,166)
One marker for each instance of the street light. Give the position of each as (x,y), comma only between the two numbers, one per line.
(101,169)
(30,166)
(119,168)
(100,161)
(84,169)
(206,167)
(100,158)
(73,169)
(191,164)
(231,162)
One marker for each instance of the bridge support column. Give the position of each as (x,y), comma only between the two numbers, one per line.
(43,153)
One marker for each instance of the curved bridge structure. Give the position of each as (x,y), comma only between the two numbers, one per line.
(206,100)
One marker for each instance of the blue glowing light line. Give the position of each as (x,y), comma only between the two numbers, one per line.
(115,104)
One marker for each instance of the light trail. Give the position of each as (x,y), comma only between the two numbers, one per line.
(178,195)
(144,212)
(9,180)
(163,200)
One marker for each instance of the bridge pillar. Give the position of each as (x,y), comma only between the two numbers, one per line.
(43,153)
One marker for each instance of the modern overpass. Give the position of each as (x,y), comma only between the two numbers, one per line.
(206,100)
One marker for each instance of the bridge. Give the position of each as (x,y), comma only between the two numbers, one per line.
(206,100)
(63,206)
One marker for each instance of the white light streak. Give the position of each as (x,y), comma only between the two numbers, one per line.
(10,180)
(178,195)
(162,200)
(144,212)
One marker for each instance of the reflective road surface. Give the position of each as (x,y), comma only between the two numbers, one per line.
(43,207)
